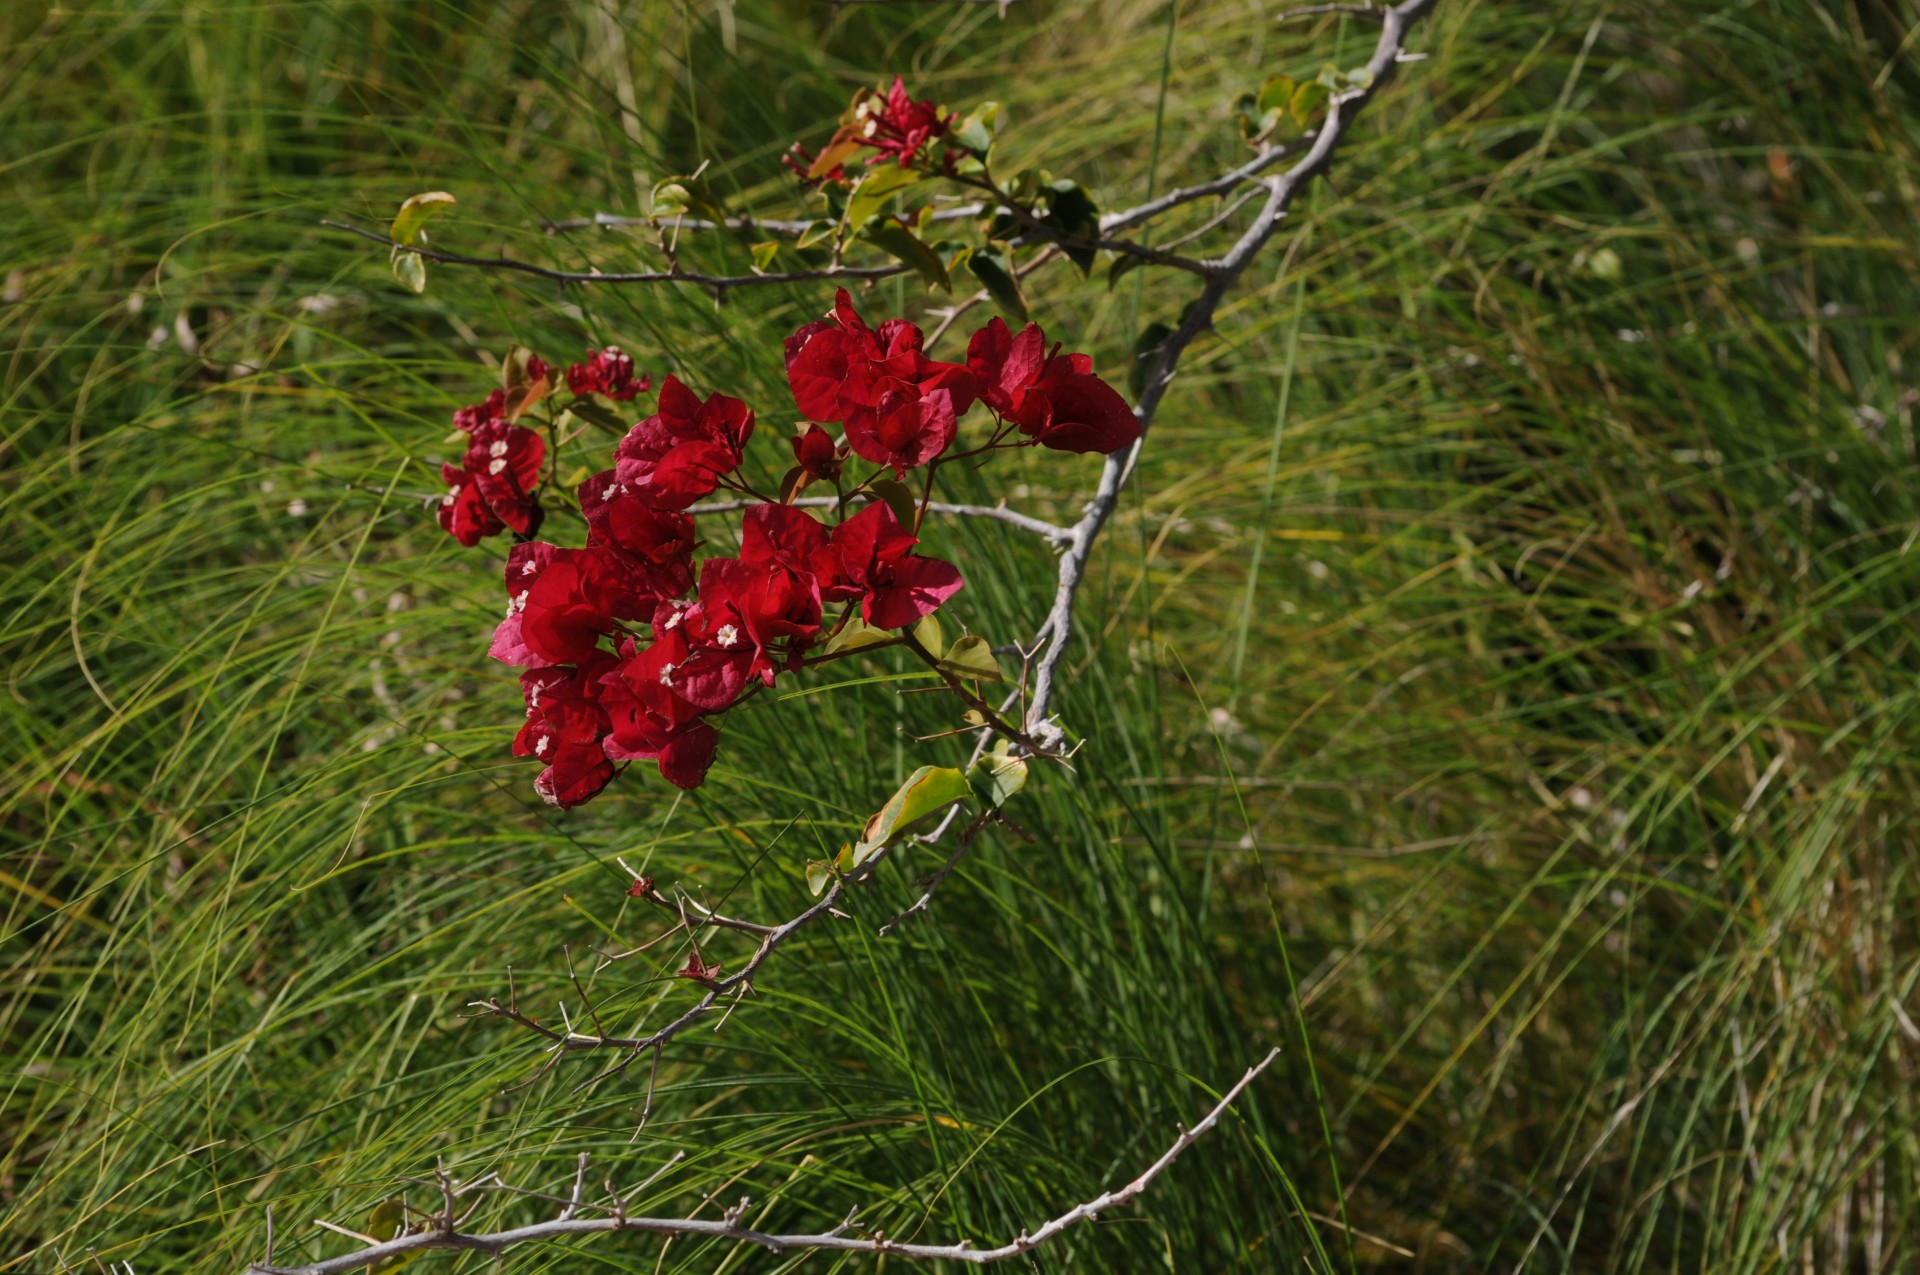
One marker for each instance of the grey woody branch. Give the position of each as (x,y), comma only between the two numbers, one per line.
(1342,109)
(441,1228)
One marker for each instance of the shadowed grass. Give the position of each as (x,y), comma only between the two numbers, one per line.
(1510,644)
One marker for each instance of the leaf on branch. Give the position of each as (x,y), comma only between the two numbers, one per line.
(927,792)
(904,246)
(597,413)
(819,872)
(977,131)
(679,196)
(876,189)
(999,776)
(409,227)
(993,267)
(929,635)
(763,254)
(898,495)
(1307,101)
(971,657)
(388,1221)
(1071,211)
(856,635)
(523,389)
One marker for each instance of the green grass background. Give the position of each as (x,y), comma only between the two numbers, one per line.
(1513,654)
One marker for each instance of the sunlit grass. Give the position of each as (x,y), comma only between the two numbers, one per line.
(1535,691)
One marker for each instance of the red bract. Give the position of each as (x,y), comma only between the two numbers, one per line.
(897,126)
(681,452)
(493,487)
(841,371)
(813,451)
(566,728)
(870,557)
(650,721)
(904,428)
(562,602)
(491,409)
(655,546)
(1055,399)
(608,371)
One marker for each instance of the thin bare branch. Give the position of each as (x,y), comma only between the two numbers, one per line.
(1369,11)
(440,1234)
(1342,109)
(721,283)
(1000,513)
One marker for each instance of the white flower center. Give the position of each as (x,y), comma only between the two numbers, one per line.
(529,568)
(499,447)
(496,466)
(666,675)
(727,636)
(540,746)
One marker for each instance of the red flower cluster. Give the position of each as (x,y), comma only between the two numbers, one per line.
(629,649)
(891,125)
(608,372)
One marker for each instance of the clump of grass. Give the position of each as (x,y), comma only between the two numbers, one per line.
(1509,645)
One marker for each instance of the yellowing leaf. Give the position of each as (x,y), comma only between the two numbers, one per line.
(1000,776)
(857,635)
(972,658)
(927,633)
(927,792)
(409,227)
(388,1221)
(879,186)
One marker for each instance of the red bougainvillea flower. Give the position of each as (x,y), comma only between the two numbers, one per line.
(650,721)
(493,488)
(814,452)
(562,602)
(654,546)
(492,408)
(870,557)
(608,371)
(835,365)
(681,452)
(905,428)
(897,126)
(464,513)
(1055,399)
(566,728)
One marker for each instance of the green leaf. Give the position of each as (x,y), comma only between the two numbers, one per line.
(1307,100)
(409,227)
(993,267)
(927,633)
(388,1221)
(819,872)
(977,131)
(679,196)
(899,497)
(998,776)
(1275,94)
(1071,211)
(595,412)
(876,190)
(1146,356)
(904,246)
(927,792)
(856,635)
(763,253)
(971,657)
